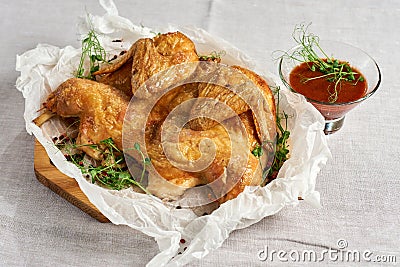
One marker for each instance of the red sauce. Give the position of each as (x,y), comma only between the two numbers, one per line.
(321,89)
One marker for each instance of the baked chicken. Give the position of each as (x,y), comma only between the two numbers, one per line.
(147,57)
(101,107)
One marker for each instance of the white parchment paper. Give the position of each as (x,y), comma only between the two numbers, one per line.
(45,67)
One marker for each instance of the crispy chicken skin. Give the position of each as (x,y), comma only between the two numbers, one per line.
(230,98)
(120,79)
(261,84)
(101,109)
(189,141)
(188,150)
(147,57)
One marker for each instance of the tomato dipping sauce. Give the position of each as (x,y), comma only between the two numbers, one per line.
(322,89)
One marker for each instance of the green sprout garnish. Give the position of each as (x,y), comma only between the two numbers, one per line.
(281,146)
(145,160)
(94,51)
(257,151)
(155,33)
(213,56)
(332,70)
(112,172)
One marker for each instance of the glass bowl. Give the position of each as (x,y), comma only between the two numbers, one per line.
(334,113)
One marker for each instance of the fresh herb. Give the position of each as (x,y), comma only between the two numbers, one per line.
(112,172)
(145,160)
(281,147)
(92,50)
(331,69)
(213,56)
(257,151)
(155,33)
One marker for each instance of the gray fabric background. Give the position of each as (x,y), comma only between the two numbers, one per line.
(359,187)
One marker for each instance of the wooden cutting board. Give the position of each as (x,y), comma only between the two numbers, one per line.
(61,184)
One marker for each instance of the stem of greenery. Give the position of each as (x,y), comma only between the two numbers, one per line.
(281,147)
(92,50)
(331,69)
(112,173)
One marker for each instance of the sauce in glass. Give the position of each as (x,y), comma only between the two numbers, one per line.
(321,89)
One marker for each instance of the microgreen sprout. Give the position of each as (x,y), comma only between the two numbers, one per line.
(213,56)
(257,151)
(111,172)
(331,69)
(145,160)
(155,33)
(92,50)
(281,146)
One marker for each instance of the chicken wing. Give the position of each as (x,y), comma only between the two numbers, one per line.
(185,151)
(120,79)
(148,57)
(230,97)
(101,109)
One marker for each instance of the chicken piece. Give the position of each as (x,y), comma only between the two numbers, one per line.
(101,109)
(247,119)
(163,165)
(261,84)
(270,108)
(172,99)
(186,152)
(252,176)
(117,63)
(149,57)
(173,160)
(229,97)
(120,79)
(245,169)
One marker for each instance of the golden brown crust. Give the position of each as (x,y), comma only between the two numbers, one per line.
(145,58)
(262,84)
(101,109)
(229,97)
(164,51)
(120,78)
(118,63)
(252,176)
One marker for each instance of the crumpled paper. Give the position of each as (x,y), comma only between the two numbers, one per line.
(45,67)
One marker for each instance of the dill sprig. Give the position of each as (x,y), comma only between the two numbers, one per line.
(331,69)
(92,50)
(112,172)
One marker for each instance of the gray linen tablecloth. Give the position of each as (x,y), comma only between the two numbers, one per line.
(359,186)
